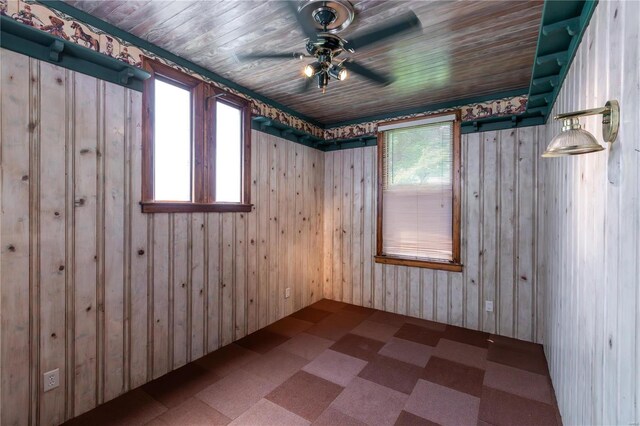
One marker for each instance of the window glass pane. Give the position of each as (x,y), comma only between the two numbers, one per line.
(172,143)
(228,153)
(418,192)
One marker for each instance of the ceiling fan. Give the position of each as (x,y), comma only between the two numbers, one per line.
(320,22)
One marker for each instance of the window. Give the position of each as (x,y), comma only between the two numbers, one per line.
(196,145)
(419,192)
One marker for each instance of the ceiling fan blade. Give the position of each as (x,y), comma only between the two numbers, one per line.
(405,23)
(307,27)
(268,55)
(367,73)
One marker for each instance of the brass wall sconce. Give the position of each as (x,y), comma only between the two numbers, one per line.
(574,140)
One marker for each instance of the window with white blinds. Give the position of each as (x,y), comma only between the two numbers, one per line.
(418,168)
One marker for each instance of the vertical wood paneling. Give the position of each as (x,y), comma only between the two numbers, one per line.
(114,222)
(53,261)
(589,233)
(498,242)
(197,287)
(214,288)
(181,290)
(139,257)
(113,297)
(85,195)
(160,284)
(19,132)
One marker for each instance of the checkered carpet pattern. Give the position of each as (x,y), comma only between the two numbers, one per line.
(338,364)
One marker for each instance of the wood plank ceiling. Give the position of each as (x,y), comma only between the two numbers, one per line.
(466,49)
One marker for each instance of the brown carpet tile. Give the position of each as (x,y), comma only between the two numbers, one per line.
(338,364)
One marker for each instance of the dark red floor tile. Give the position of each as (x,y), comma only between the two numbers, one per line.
(532,360)
(464,335)
(311,314)
(227,359)
(305,395)
(408,419)
(289,326)
(454,375)
(329,305)
(358,346)
(133,408)
(359,310)
(336,325)
(179,385)
(388,318)
(519,345)
(502,408)
(262,341)
(418,334)
(391,373)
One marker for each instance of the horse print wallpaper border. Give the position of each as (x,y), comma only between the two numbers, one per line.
(59,24)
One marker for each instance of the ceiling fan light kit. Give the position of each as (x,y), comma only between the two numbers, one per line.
(321,21)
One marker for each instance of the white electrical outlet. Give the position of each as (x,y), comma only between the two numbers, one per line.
(287,292)
(488,305)
(51,379)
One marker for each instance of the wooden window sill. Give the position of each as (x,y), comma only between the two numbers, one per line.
(429,264)
(188,207)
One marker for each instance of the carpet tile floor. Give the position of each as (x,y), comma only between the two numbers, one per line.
(339,364)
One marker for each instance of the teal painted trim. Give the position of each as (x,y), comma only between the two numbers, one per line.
(38,44)
(431,107)
(275,128)
(339,144)
(585,18)
(485,125)
(500,123)
(143,44)
(562,27)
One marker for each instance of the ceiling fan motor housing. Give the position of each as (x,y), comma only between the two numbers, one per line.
(324,16)
(330,16)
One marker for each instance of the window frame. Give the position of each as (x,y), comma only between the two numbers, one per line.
(455,265)
(203,144)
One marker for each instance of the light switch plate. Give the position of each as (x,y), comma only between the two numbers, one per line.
(287,292)
(51,379)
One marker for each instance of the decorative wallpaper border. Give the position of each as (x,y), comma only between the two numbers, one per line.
(52,21)
(34,14)
(470,112)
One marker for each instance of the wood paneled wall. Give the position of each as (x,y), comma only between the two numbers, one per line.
(113,297)
(499,226)
(591,233)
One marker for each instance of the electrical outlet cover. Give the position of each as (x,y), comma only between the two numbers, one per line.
(51,379)
(488,305)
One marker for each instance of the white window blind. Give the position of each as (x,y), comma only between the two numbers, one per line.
(417,219)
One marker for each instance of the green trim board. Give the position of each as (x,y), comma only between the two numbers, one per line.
(143,44)
(273,127)
(432,107)
(46,47)
(338,144)
(561,29)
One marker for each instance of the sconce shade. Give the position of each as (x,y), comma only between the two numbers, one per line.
(573,140)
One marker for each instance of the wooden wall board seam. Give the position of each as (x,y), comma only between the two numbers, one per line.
(497,311)
(126,249)
(35,138)
(100,241)
(150,297)
(515,304)
(70,145)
